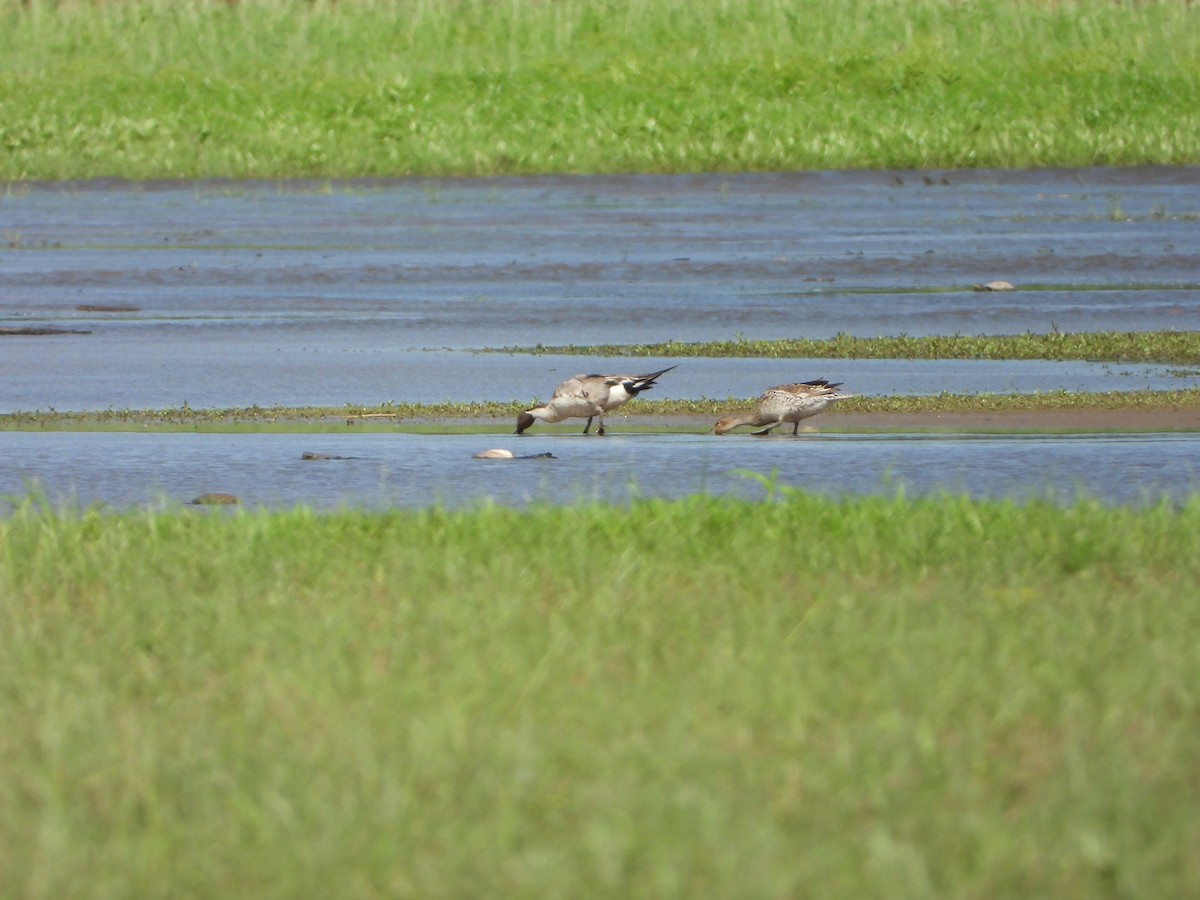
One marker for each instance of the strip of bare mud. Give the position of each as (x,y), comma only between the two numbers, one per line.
(1050,420)
(1184,417)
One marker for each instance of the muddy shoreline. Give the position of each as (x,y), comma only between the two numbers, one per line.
(1184,418)
(1181,419)
(1051,420)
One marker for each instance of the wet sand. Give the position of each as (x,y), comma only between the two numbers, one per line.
(1094,420)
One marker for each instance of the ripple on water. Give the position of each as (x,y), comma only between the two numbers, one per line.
(306,296)
(377,471)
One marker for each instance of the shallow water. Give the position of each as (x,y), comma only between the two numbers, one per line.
(123,470)
(316,376)
(368,292)
(299,294)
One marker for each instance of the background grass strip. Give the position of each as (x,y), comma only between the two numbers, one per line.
(287,88)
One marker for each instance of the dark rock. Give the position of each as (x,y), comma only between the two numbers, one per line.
(216,499)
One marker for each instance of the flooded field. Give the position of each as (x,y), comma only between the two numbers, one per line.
(377,471)
(229,295)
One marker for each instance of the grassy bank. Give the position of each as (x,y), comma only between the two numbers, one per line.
(420,415)
(276,88)
(879,696)
(1177,347)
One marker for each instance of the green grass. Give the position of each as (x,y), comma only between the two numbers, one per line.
(466,416)
(876,696)
(1167,347)
(283,88)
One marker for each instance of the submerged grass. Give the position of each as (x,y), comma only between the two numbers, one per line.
(882,696)
(1167,347)
(436,416)
(288,88)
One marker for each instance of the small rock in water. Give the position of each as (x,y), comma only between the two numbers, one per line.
(994,286)
(215,500)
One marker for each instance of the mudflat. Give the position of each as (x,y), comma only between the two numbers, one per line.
(1183,418)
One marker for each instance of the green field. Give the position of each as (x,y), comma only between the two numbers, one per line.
(287,88)
(802,697)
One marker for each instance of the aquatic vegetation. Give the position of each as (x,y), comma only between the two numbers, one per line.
(1178,347)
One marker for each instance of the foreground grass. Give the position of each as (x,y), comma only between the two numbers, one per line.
(284,88)
(392,415)
(880,696)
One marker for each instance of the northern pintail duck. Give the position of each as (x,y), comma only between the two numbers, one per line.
(588,396)
(786,403)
